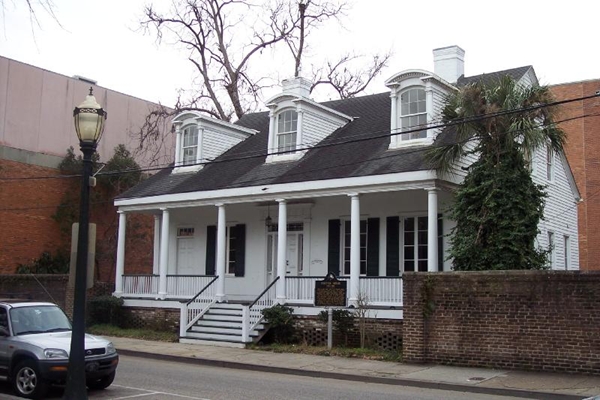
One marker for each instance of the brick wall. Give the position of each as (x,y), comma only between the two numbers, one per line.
(27,228)
(382,333)
(582,126)
(161,319)
(51,288)
(532,320)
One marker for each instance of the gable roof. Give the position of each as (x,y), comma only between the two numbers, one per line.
(515,73)
(359,148)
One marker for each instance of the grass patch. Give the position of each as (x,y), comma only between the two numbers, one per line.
(143,334)
(348,352)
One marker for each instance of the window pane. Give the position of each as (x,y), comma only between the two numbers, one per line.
(409,224)
(423,252)
(413,108)
(347,268)
(422,221)
(423,266)
(409,238)
(409,266)
(422,237)
(409,253)
(421,95)
(363,267)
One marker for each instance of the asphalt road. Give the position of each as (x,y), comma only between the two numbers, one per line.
(146,379)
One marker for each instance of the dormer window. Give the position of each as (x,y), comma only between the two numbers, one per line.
(413,113)
(189,145)
(287,129)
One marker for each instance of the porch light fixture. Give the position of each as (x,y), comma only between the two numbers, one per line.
(268,220)
(89,120)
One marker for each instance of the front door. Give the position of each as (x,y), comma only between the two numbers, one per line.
(186,247)
(294,253)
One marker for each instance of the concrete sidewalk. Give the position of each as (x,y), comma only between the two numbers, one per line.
(530,385)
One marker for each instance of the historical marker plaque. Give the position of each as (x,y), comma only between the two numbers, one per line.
(330,292)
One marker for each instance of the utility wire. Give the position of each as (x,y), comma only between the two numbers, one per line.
(371,135)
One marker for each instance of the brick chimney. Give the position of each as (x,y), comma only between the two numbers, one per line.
(449,63)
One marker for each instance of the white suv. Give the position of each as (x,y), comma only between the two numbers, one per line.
(35,339)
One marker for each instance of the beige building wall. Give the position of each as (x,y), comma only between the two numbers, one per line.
(36,116)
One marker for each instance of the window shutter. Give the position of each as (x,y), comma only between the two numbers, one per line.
(373,247)
(333,257)
(240,249)
(211,249)
(392,239)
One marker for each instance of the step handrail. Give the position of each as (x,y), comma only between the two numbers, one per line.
(188,316)
(263,292)
(203,290)
(251,320)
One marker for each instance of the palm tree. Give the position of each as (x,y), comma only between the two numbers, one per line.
(497,208)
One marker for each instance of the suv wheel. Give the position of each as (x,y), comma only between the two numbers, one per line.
(27,380)
(102,383)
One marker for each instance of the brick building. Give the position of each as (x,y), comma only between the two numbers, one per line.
(36,129)
(582,125)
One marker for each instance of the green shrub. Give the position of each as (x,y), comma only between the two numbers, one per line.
(46,264)
(105,310)
(343,321)
(281,323)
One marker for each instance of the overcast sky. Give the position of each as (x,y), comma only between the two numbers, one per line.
(99,40)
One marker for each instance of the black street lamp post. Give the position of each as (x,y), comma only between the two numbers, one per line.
(89,123)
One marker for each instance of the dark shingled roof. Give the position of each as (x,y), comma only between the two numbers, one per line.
(360,148)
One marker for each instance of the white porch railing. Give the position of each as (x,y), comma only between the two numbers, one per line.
(194,309)
(252,314)
(186,286)
(379,290)
(178,286)
(382,290)
(140,285)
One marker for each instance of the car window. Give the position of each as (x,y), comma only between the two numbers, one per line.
(38,319)
(3,318)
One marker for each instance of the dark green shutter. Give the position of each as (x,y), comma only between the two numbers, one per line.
(373,247)
(392,248)
(240,249)
(211,249)
(333,257)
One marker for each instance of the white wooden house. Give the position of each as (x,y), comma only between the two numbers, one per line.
(252,213)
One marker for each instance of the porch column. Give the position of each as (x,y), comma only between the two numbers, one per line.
(354,249)
(120,269)
(156,249)
(432,231)
(221,247)
(281,250)
(164,254)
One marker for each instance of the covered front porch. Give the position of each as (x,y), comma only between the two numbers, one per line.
(259,251)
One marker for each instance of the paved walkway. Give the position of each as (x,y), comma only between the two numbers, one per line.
(531,385)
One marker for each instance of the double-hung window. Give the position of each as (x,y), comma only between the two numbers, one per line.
(189,145)
(347,245)
(287,129)
(413,114)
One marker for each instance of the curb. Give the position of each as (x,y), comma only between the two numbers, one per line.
(527,394)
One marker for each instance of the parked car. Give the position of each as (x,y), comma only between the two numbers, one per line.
(35,340)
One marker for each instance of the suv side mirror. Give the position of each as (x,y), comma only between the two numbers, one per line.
(4,331)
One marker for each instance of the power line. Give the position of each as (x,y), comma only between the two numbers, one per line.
(371,135)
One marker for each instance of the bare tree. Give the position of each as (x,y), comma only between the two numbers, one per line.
(34,7)
(225,40)
(349,75)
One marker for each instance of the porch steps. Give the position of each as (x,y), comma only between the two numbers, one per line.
(221,325)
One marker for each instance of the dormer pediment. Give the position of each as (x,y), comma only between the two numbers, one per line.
(298,122)
(411,77)
(201,139)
